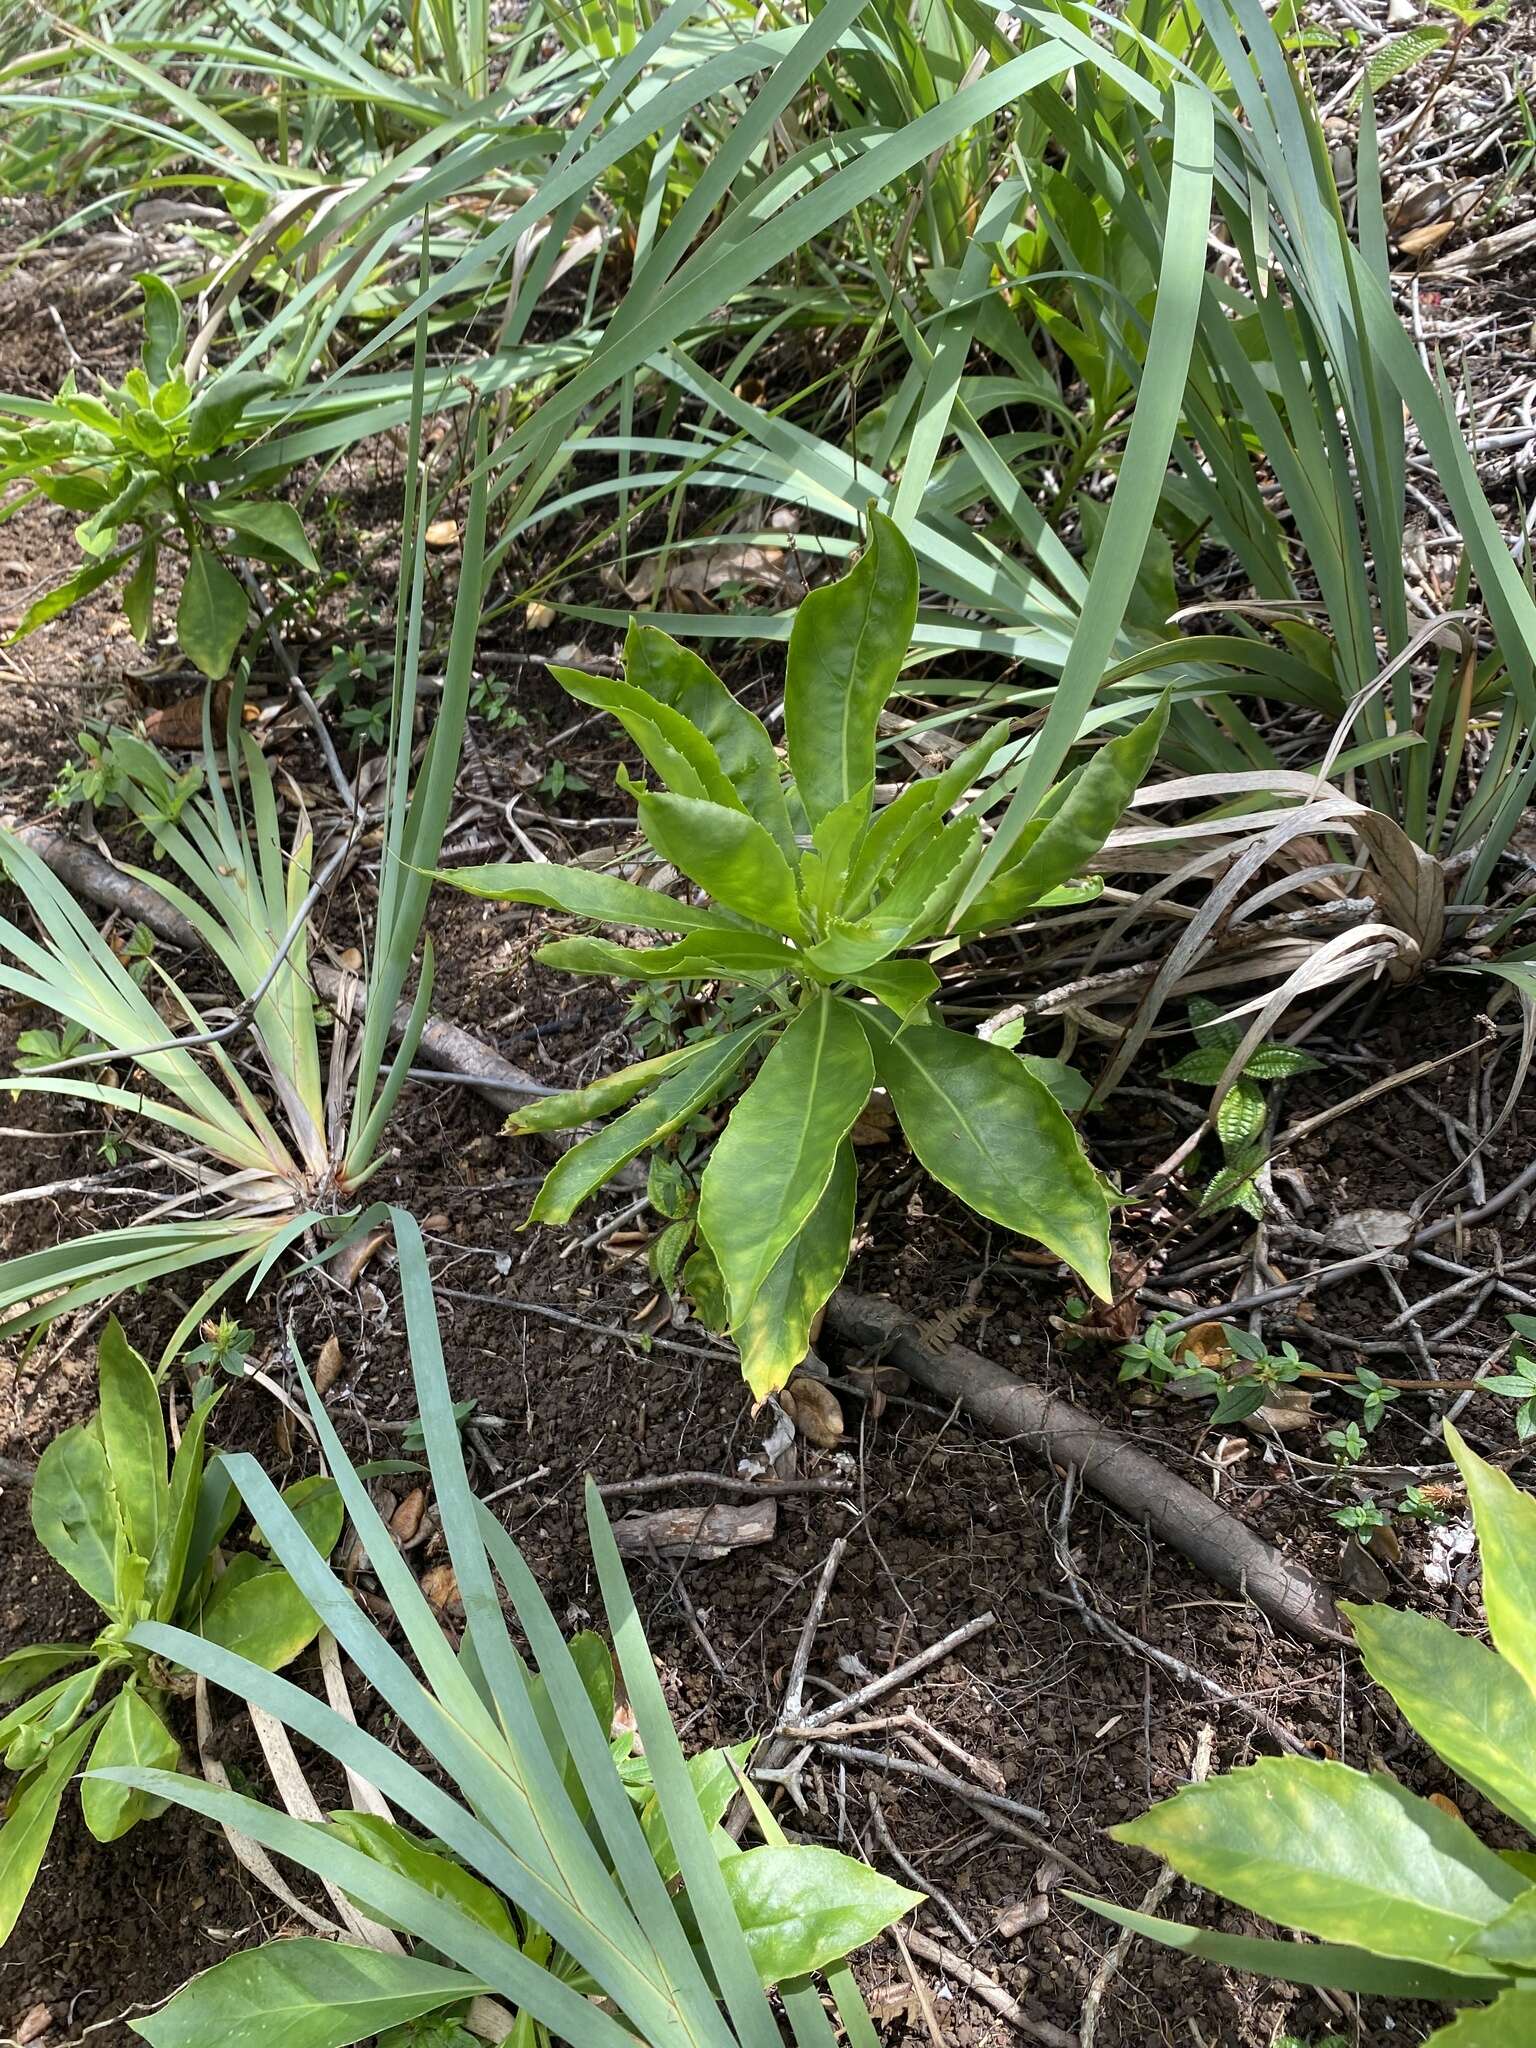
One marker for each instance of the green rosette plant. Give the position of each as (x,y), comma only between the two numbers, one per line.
(833,911)
(1405,1899)
(142,1537)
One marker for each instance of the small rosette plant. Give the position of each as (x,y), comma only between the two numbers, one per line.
(832,910)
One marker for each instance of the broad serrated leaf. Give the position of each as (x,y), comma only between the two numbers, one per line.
(1240,1115)
(1279,1063)
(1401,53)
(772,1162)
(1204,1066)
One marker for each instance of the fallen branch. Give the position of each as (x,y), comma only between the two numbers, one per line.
(988,1990)
(85,871)
(1171,1508)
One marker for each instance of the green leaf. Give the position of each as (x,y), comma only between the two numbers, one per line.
(706,1290)
(775,1333)
(1510,2022)
(992,1131)
(31,1728)
(139,592)
(1279,1063)
(398,1850)
(1081,822)
(133,1437)
(604,898)
(598,1158)
(1398,54)
(1296,1962)
(715,1785)
(275,528)
(735,955)
(803,1907)
(211,617)
(133,1733)
(673,675)
(163,327)
(23,1670)
(1240,1114)
(1506,1536)
(69,592)
(1204,1066)
(1472,1707)
(163,1586)
(775,1156)
(73,1513)
(1336,1853)
(257,1611)
(1064,1082)
(316,1505)
(303,1994)
(33,1810)
(902,985)
(573,1106)
(728,854)
(218,407)
(846,649)
(670,743)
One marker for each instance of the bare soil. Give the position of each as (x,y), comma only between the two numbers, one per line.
(942,1526)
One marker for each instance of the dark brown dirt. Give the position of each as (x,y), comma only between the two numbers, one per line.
(941,1526)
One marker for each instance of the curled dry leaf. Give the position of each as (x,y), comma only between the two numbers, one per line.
(1206,1344)
(540,617)
(441,1587)
(329,1365)
(814,1410)
(1286,1410)
(33,2025)
(876,1383)
(349,1264)
(443,533)
(702,1533)
(405,1522)
(178,727)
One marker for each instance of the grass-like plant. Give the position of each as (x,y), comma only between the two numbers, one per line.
(143,1541)
(262,1164)
(830,911)
(585,1882)
(1404,1898)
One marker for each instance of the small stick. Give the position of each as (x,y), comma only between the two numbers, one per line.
(989,1991)
(840,1709)
(908,1718)
(935,1774)
(914,1876)
(664,1483)
(1162,1884)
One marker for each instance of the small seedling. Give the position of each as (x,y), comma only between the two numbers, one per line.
(226,1347)
(1519,1385)
(1241,1112)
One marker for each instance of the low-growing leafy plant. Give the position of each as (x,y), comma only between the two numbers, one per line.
(1239,1115)
(832,911)
(1404,1898)
(143,1541)
(258,1169)
(142,455)
(1519,1385)
(587,1881)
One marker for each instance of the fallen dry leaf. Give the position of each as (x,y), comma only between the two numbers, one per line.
(1027,1913)
(405,1522)
(814,1410)
(540,617)
(33,2026)
(349,1264)
(689,582)
(443,533)
(1206,1344)
(178,727)
(328,1366)
(1287,1409)
(875,1123)
(442,1589)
